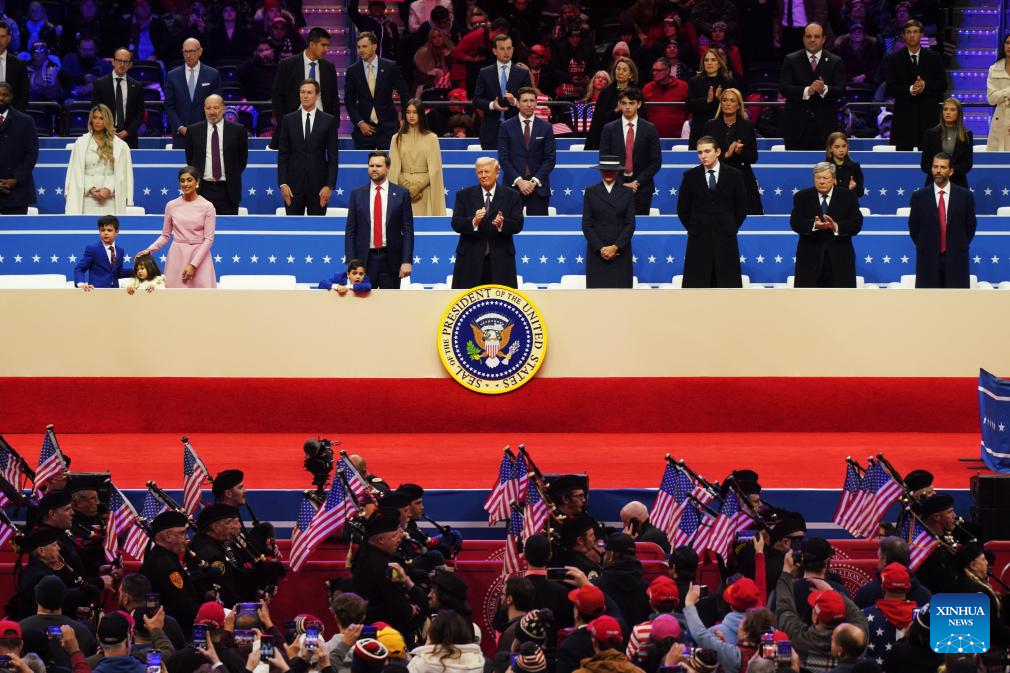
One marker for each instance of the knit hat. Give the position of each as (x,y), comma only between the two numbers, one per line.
(665,626)
(742,595)
(305,620)
(704,661)
(827,605)
(50,592)
(211,614)
(895,577)
(663,592)
(530,659)
(533,626)
(606,631)
(393,640)
(368,656)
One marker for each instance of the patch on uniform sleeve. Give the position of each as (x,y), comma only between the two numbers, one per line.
(176,579)
(218,566)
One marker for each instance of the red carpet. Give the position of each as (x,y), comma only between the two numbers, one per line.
(463,460)
(635,405)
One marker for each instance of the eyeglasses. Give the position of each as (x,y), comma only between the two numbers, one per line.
(190,51)
(121,61)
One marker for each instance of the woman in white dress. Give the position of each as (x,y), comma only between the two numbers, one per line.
(100,175)
(997,90)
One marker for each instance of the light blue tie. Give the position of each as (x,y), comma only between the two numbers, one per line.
(192,83)
(711,180)
(312,70)
(504,83)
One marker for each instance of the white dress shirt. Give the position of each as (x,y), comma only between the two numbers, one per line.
(817,55)
(315,118)
(305,62)
(384,197)
(208,171)
(946,195)
(717,167)
(483,197)
(609,186)
(3,67)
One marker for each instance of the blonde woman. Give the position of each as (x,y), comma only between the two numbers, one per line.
(952,137)
(997,90)
(416,162)
(736,137)
(100,175)
(623,73)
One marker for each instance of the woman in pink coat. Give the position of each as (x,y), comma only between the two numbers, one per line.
(189,219)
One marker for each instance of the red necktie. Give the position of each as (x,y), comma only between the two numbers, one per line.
(377,218)
(526,134)
(1,120)
(941,212)
(813,62)
(629,148)
(112,257)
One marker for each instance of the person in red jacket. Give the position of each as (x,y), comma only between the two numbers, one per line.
(664,87)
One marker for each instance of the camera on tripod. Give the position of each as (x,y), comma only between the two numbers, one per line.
(319,461)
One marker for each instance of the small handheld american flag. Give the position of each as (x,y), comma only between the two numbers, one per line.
(195,474)
(10,469)
(327,521)
(51,461)
(121,516)
(671,498)
(497,503)
(136,540)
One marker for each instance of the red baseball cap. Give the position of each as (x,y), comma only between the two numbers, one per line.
(605,630)
(588,599)
(211,614)
(742,594)
(663,590)
(828,606)
(895,577)
(9,629)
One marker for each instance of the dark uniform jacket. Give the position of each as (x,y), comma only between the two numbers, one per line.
(220,556)
(388,601)
(79,592)
(169,578)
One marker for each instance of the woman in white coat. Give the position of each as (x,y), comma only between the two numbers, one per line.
(997,91)
(450,647)
(100,175)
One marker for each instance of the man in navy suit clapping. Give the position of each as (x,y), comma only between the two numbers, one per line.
(102,261)
(186,88)
(380,227)
(526,152)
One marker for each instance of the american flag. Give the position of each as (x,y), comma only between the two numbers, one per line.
(6,532)
(10,469)
(535,514)
(306,511)
(520,480)
(671,499)
(513,564)
(121,517)
(51,463)
(497,503)
(195,474)
(687,527)
(358,485)
(136,540)
(881,492)
(848,503)
(326,521)
(921,545)
(730,520)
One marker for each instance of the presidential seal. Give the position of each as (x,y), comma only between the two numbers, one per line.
(492,339)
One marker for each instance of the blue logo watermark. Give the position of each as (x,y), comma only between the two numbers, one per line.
(959,623)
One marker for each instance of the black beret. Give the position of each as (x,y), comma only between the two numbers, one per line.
(749,487)
(565,483)
(576,526)
(395,499)
(215,512)
(792,522)
(966,554)
(39,537)
(412,491)
(383,520)
(87,483)
(225,480)
(745,475)
(167,520)
(940,502)
(917,479)
(53,500)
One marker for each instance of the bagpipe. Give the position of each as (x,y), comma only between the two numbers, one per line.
(169,503)
(554,516)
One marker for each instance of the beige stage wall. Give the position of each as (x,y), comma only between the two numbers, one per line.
(655,333)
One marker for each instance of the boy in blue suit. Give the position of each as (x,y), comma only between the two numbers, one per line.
(353,279)
(102,261)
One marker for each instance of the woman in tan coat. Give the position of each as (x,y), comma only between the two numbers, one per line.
(997,90)
(417,162)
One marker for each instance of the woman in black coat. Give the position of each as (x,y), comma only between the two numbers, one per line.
(736,138)
(848,173)
(623,73)
(952,137)
(704,92)
(608,223)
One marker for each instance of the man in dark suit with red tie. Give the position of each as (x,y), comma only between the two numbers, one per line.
(497,86)
(486,217)
(307,155)
(527,152)
(826,216)
(712,206)
(638,135)
(942,224)
(123,95)
(380,227)
(220,157)
(812,81)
